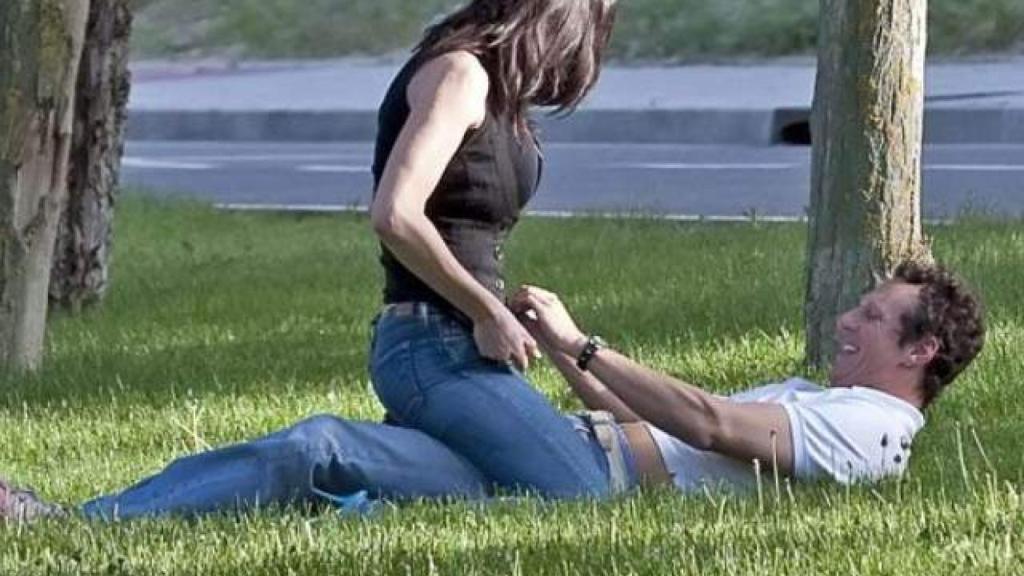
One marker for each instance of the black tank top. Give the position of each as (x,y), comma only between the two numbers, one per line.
(476,203)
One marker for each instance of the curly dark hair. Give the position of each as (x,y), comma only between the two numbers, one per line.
(948,310)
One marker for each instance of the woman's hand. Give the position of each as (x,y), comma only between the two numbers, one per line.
(552,322)
(499,336)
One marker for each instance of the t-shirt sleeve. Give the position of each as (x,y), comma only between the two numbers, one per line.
(846,440)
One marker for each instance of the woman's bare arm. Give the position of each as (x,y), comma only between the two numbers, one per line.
(447,97)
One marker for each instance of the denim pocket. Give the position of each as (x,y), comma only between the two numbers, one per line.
(457,344)
(395,381)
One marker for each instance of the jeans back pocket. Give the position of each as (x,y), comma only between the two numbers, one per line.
(394,379)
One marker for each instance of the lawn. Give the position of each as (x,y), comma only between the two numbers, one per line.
(222,326)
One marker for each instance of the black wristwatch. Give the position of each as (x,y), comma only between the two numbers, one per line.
(594,343)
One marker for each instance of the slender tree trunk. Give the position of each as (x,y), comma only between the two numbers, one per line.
(40,46)
(866,126)
(82,255)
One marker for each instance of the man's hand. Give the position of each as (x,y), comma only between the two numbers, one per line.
(550,321)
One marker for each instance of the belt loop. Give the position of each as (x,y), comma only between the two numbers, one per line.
(603,424)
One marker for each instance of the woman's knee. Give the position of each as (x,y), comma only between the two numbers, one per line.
(312,438)
(315,429)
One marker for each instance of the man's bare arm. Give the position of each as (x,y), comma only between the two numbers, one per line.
(741,430)
(591,391)
(745,431)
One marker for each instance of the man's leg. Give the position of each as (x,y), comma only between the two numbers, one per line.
(318,457)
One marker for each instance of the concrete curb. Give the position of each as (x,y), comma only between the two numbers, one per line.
(943,125)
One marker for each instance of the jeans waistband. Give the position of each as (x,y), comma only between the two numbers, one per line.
(423,311)
(622,470)
(402,309)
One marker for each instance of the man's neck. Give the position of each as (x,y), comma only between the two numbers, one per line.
(906,389)
(908,392)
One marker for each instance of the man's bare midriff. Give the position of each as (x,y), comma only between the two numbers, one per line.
(649,462)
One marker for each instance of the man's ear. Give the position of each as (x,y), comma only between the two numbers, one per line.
(920,353)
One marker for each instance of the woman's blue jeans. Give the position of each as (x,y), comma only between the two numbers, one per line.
(468,425)
(428,373)
(320,459)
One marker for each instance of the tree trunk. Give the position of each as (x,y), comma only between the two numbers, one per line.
(40,44)
(866,125)
(82,256)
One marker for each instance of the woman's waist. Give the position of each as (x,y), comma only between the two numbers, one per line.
(402,285)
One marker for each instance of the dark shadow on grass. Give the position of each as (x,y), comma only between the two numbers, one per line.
(158,377)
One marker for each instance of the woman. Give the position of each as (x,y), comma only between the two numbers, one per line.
(456,161)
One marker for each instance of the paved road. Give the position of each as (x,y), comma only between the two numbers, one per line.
(976,101)
(359,84)
(710,181)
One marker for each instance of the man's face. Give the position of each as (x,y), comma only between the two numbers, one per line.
(868,351)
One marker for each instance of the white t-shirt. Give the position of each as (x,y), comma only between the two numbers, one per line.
(846,434)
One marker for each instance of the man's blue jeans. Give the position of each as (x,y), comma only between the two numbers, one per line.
(428,373)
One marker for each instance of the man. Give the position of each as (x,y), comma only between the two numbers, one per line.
(896,351)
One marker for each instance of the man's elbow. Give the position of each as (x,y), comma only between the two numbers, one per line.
(714,432)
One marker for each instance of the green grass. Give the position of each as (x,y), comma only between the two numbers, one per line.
(648,29)
(220,327)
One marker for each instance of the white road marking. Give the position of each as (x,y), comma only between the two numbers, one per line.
(356,208)
(975,168)
(212,162)
(710,166)
(150,164)
(318,208)
(557,214)
(334,168)
(706,166)
(641,215)
(272,157)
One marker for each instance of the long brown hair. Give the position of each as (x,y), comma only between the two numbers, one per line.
(537,52)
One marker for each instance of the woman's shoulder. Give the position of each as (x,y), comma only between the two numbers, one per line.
(454,80)
(459,72)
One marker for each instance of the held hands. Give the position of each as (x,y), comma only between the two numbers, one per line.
(548,320)
(501,337)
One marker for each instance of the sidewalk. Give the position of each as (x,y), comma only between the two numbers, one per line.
(766,103)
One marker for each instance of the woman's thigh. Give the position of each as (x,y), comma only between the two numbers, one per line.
(428,374)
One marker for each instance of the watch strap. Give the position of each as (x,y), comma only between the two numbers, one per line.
(590,349)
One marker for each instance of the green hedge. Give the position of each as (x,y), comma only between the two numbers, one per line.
(658,29)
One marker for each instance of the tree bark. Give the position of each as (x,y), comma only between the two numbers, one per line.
(81,258)
(866,126)
(40,43)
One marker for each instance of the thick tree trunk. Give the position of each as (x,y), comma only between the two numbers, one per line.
(866,128)
(40,46)
(81,258)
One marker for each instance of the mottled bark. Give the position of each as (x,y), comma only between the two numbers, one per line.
(866,124)
(81,258)
(40,44)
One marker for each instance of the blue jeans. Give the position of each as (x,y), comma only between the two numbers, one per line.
(483,426)
(323,458)
(427,372)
